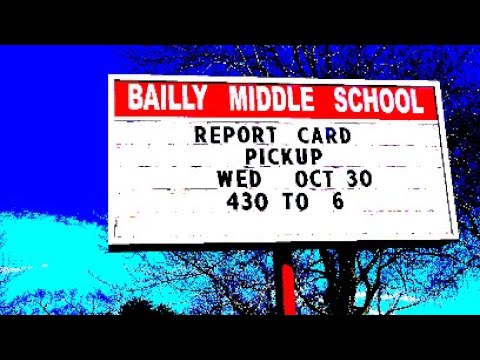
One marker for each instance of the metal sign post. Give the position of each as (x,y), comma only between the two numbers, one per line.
(284,282)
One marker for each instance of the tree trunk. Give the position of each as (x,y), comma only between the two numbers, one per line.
(340,296)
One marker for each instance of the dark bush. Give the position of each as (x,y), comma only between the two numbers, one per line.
(138,306)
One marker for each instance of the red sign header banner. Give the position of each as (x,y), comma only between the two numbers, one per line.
(243,100)
(135,98)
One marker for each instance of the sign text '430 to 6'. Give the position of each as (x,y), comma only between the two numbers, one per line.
(247,201)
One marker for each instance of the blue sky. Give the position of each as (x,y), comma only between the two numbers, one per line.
(53,137)
(54,254)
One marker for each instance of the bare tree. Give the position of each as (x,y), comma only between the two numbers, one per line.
(8,271)
(61,302)
(347,279)
(213,282)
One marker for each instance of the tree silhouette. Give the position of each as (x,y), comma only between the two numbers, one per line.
(347,279)
(142,307)
(60,302)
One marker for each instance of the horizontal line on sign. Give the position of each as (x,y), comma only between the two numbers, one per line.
(283,188)
(341,166)
(398,210)
(234,167)
(192,188)
(136,120)
(239,121)
(247,144)
(201,188)
(409,145)
(285,245)
(251,80)
(355,122)
(280,119)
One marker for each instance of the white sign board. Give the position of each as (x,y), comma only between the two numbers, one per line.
(195,160)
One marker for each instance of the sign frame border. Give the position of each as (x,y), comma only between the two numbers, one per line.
(364,244)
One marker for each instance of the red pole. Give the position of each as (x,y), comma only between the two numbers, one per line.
(284,281)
